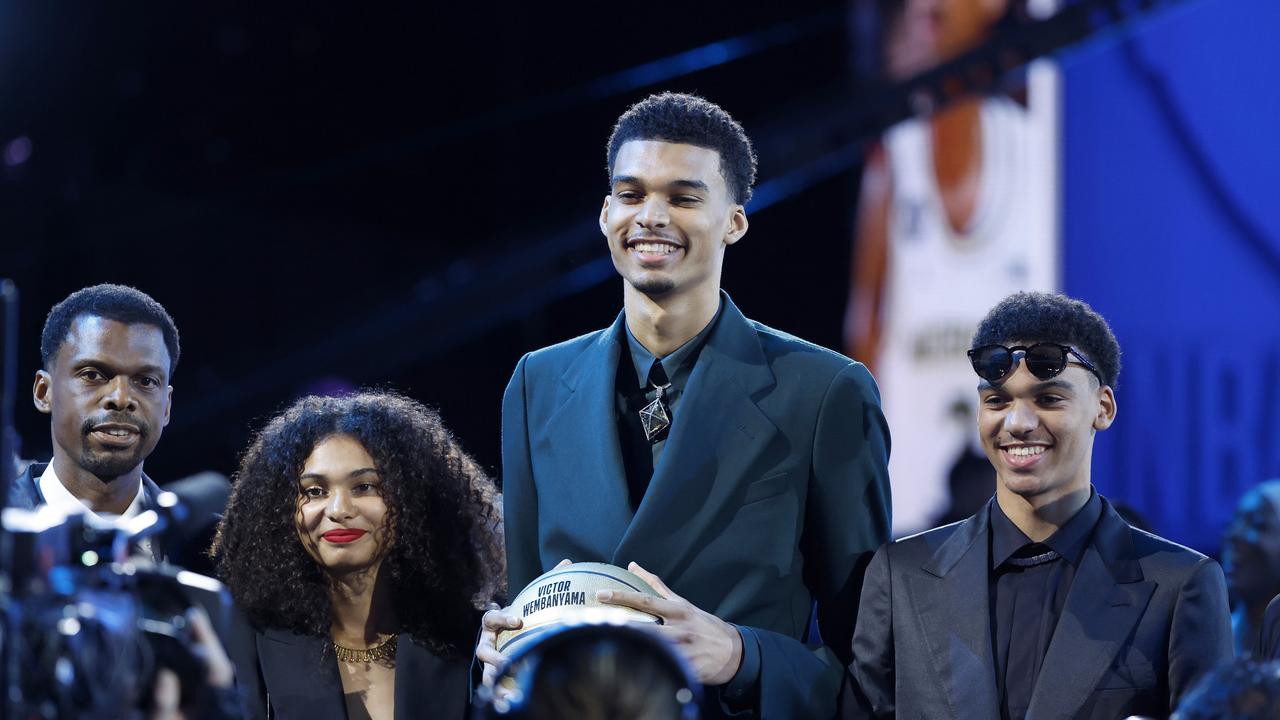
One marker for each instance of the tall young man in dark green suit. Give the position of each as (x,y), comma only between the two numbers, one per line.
(738,469)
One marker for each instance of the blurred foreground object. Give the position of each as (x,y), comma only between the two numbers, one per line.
(92,627)
(594,672)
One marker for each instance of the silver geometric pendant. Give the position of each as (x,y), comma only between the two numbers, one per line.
(655,418)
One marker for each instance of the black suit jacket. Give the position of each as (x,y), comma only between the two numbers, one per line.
(1144,618)
(286,676)
(771,492)
(25,495)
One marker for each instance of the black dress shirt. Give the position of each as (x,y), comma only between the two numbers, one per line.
(1029,583)
(634,390)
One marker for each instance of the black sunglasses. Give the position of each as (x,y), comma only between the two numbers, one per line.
(1045,360)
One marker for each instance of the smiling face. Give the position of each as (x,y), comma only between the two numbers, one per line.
(1038,434)
(341,516)
(107,392)
(669,217)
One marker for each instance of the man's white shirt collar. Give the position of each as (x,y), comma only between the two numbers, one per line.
(59,497)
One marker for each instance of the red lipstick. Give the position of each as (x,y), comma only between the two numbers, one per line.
(345,535)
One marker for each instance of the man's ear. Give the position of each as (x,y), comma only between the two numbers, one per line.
(1106,409)
(737,225)
(40,392)
(168,406)
(604,217)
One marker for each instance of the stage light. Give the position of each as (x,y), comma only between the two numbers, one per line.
(17,151)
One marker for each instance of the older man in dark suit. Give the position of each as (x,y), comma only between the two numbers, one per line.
(1045,604)
(741,470)
(108,353)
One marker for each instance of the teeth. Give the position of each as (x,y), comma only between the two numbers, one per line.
(117,432)
(655,248)
(1026,451)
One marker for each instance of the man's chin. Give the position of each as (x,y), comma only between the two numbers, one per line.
(109,466)
(654,286)
(1025,485)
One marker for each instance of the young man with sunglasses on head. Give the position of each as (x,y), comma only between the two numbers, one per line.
(1045,603)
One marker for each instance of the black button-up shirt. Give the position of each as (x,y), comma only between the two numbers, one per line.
(1028,590)
(633,391)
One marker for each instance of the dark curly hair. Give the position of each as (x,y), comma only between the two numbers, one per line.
(446,559)
(689,119)
(112,302)
(1050,317)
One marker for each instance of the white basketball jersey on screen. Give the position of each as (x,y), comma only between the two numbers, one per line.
(940,283)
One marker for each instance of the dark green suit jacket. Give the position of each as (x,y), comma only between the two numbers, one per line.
(770,495)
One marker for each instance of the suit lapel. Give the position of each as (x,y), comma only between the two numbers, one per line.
(296,678)
(150,493)
(301,677)
(25,491)
(950,598)
(716,436)
(1106,600)
(427,685)
(582,437)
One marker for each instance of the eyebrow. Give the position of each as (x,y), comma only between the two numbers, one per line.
(354,473)
(1053,385)
(687,184)
(95,362)
(984,384)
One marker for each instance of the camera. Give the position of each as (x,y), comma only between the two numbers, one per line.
(88,620)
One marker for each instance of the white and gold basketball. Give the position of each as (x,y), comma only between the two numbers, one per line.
(566,596)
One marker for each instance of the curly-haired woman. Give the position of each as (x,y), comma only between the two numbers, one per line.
(359,541)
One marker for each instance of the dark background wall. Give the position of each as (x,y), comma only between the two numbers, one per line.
(305,188)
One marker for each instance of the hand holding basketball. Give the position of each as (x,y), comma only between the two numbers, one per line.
(496,620)
(712,646)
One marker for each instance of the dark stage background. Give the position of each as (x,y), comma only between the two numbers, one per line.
(378,196)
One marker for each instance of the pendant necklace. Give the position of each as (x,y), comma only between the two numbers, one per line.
(655,417)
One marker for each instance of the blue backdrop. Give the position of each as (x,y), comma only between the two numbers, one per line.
(1171,206)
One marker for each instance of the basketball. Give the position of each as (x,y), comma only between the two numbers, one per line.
(567,596)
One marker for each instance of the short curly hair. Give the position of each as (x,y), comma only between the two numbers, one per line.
(446,560)
(111,302)
(1051,317)
(692,120)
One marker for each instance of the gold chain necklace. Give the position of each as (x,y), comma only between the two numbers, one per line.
(385,650)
